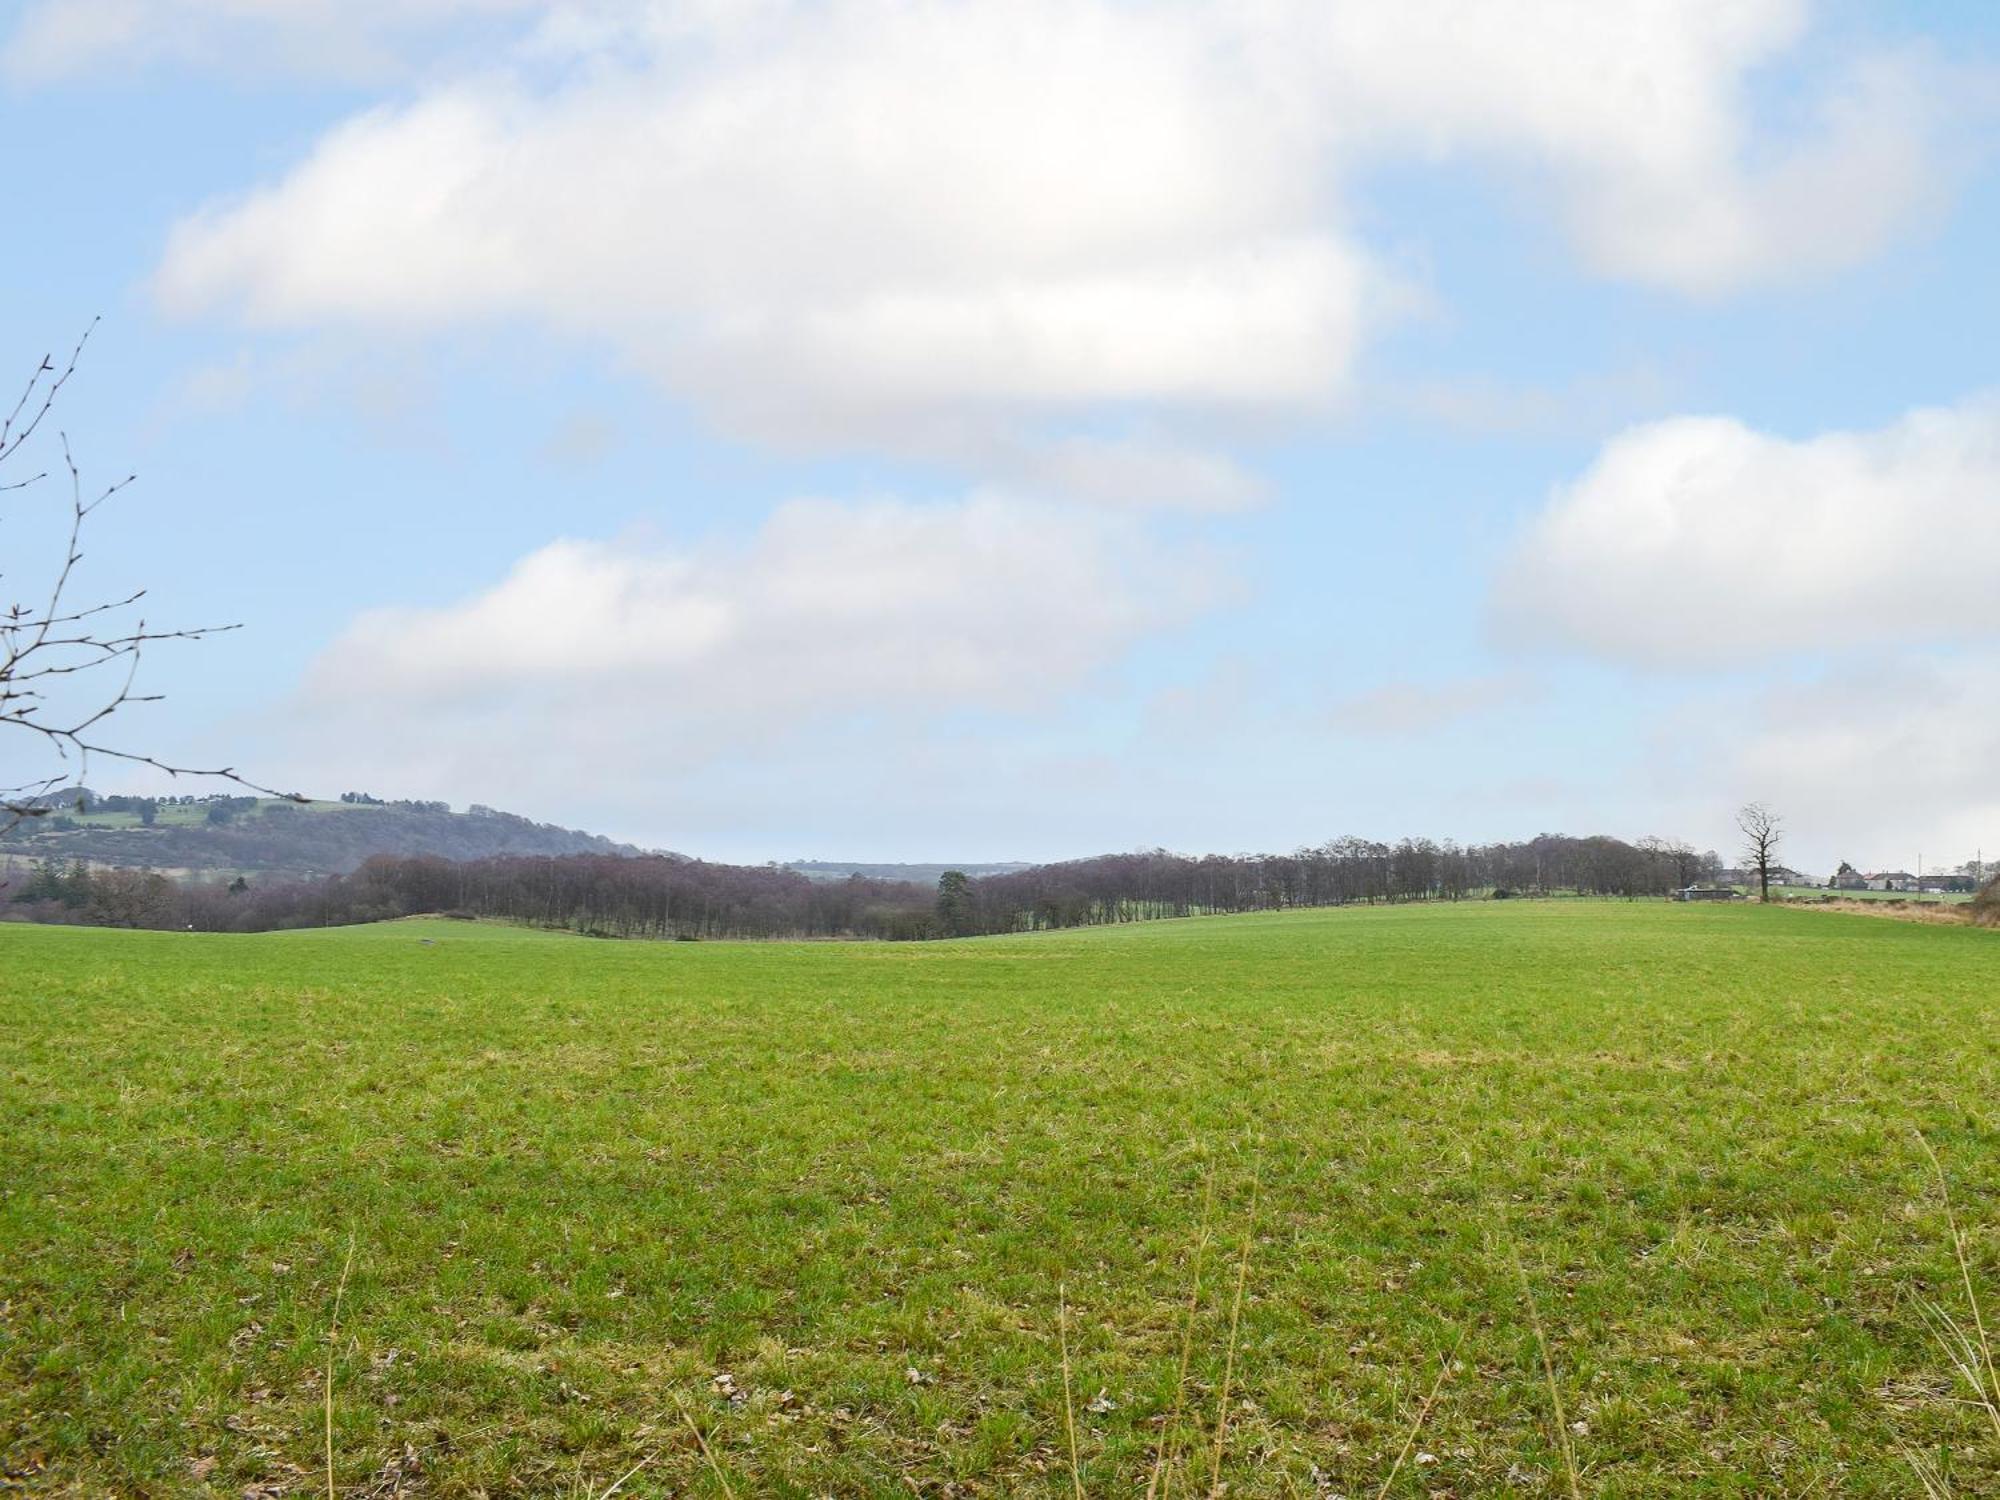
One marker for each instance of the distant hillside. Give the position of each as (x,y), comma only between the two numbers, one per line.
(263,836)
(828,869)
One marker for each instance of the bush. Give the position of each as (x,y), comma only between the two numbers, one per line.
(1986,905)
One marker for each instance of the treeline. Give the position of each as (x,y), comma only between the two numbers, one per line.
(673,897)
(1156,883)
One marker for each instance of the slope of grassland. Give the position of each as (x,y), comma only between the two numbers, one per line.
(827,1204)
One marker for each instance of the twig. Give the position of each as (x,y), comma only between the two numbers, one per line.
(714,1467)
(619,1483)
(1169,1448)
(9,438)
(332,1350)
(1069,1402)
(1970,1356)
(1235,1318)
(50,642)
(1549,1372)
(1423,1411)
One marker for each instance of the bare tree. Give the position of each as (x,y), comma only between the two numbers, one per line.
(1671,863)
(1762,831)
(68,667)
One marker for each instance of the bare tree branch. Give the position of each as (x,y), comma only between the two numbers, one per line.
(63,644)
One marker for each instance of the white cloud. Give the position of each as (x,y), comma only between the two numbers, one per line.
(625,664)
(1585,406)
(361,39)
(862,220)
(1877,763)
(1401,709)
(1699,541)
(1133,472)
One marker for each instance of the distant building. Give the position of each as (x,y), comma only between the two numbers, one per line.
(1847,878)
(1949,885)
(1780,875)
(1709,893)
(1892,880)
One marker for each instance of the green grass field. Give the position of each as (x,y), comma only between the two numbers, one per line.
(195,815)
(839,1208)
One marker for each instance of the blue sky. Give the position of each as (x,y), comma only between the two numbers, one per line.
(880,429)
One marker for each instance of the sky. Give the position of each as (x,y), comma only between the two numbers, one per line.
(1020,429)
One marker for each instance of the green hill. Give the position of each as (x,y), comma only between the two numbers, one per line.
(274,838)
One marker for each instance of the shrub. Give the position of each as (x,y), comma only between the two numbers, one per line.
(1986,905)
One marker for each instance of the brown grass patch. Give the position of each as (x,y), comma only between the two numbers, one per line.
(1938,913)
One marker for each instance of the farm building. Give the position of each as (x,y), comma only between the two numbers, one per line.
(1949,885)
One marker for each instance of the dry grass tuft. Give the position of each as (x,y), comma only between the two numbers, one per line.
(332,1353)
(1549,1373)
(713,1467)
(1939,913)
(1069,1399)
(1235,1322)
(1969,1353)
(1161,1479)
(1423,1411)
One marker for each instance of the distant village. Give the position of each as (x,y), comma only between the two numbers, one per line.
(1963,880)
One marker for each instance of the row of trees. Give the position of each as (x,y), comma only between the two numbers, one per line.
(406,804)
(672,897)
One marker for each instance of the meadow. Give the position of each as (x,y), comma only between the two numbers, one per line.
(1496,1198)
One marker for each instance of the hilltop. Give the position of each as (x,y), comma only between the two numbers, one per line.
(269,837)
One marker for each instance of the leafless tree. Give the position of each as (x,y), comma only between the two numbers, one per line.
(1762,831)
(68,667)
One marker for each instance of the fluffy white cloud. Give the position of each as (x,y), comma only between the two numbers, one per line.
(625,664)
(1698,540)
(870,220)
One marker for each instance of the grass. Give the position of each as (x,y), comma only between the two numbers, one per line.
(799,1220)
(1820,893)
